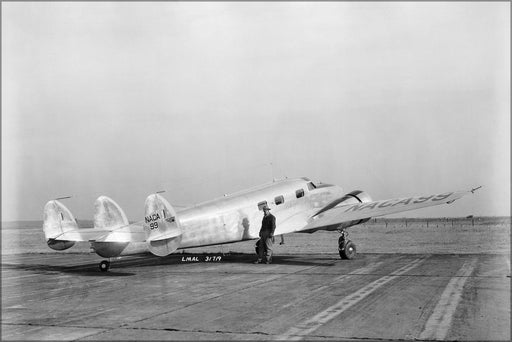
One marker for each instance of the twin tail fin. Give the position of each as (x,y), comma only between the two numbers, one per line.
(162,227)
(57,221)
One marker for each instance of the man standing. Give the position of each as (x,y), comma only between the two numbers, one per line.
(268,226)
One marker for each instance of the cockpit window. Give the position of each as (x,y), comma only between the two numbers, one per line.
(311,186)
(278,200)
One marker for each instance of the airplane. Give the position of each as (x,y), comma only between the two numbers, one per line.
(299,205)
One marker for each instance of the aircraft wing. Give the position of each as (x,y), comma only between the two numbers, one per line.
(346,213)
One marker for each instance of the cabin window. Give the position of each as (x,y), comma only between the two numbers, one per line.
(311,186)
(299,193)
(278,200)
(261,205)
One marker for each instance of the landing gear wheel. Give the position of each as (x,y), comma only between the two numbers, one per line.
(104,266)
(347,250)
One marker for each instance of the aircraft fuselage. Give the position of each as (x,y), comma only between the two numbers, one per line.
(237,217)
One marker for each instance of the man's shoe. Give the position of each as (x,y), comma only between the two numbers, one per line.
(268,262)
(257,262)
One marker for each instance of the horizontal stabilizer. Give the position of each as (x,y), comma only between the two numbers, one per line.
(109,217)
(131,233)
(164,236)
(110,225)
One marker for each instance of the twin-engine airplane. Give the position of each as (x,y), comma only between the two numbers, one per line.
(298,205)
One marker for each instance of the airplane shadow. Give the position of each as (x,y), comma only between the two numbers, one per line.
(118,267)
(219,258)
(84,270)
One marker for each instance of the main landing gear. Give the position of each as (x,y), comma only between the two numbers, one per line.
(346,247)
(104,265)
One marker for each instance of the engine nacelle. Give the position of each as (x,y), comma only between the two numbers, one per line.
(354,197)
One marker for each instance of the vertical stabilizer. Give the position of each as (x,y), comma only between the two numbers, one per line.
(57,220)
(109,217)
(108,214)
(162,227)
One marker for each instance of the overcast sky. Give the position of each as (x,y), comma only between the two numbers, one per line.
(126,98)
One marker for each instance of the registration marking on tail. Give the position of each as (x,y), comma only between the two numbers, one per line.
(308,326)
(439,322)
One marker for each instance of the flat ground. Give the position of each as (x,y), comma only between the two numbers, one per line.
(416,282)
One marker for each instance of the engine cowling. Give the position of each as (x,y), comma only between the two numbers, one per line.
(354,197)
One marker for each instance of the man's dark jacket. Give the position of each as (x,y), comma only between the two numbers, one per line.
(268,225)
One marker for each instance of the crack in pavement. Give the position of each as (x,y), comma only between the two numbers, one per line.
(107,329)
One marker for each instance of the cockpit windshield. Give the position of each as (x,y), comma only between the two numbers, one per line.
(311,186)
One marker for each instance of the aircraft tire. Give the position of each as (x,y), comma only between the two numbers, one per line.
(104,266)
(348,251)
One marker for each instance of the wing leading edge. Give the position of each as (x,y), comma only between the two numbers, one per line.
(346,213)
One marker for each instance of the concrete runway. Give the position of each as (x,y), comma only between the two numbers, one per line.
(312,297)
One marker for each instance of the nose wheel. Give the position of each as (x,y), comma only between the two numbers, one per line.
(104,265)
